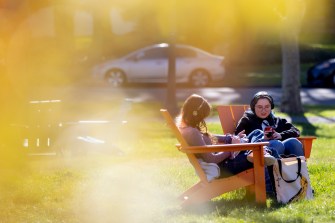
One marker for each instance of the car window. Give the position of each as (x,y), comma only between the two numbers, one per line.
(184,52)
(154,53)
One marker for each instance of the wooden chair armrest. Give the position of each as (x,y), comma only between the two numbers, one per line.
(222,147)
(306,137)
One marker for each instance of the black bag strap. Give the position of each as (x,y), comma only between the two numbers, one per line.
(298,173)
(287,156)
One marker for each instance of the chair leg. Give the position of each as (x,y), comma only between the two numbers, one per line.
(191,190)
(307,146)
(260,191)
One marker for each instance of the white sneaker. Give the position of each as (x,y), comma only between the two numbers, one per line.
(268,159)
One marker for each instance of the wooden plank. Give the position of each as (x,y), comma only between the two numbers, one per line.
(226,119)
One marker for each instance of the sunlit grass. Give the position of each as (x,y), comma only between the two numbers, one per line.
(39,196)
(141,184)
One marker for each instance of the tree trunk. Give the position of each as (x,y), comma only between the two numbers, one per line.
(291,99)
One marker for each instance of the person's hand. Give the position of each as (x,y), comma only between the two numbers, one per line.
(243,137)
(235,139)
(242,134)
(276,135)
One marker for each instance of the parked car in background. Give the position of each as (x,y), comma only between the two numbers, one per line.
(150,65)
(322,74)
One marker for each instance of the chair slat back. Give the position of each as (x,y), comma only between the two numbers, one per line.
(191,157)
(169,120)
(226,118)
(229,116)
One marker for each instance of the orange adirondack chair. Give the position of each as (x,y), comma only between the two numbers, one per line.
(229,115)
(253,179)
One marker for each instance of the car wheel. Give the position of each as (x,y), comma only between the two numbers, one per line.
(200,78)
(116,78)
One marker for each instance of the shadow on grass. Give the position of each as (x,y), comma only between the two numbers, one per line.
(309,124)
(239,209)
(308,127)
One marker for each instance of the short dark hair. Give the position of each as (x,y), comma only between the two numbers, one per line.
(259,95)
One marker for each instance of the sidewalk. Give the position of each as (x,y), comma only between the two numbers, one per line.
(299,119)
(313,119)
(309,96)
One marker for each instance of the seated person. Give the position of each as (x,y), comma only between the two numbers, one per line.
(282,134)
(192,125)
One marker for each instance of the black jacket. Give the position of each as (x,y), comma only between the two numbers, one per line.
(250,122)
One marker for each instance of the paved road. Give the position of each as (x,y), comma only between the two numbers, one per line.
(220,95)
(309,96)
(244,95)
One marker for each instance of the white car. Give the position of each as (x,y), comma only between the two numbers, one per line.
(150,65)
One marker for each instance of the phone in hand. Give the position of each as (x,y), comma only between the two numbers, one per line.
(268,131)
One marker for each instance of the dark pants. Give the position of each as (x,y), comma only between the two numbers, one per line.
(230,167)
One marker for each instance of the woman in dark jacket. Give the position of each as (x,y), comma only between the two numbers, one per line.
(280,133)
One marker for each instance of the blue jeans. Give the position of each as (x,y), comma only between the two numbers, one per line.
(231,167)
(287,147)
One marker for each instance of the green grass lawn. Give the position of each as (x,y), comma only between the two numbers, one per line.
(141,185)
